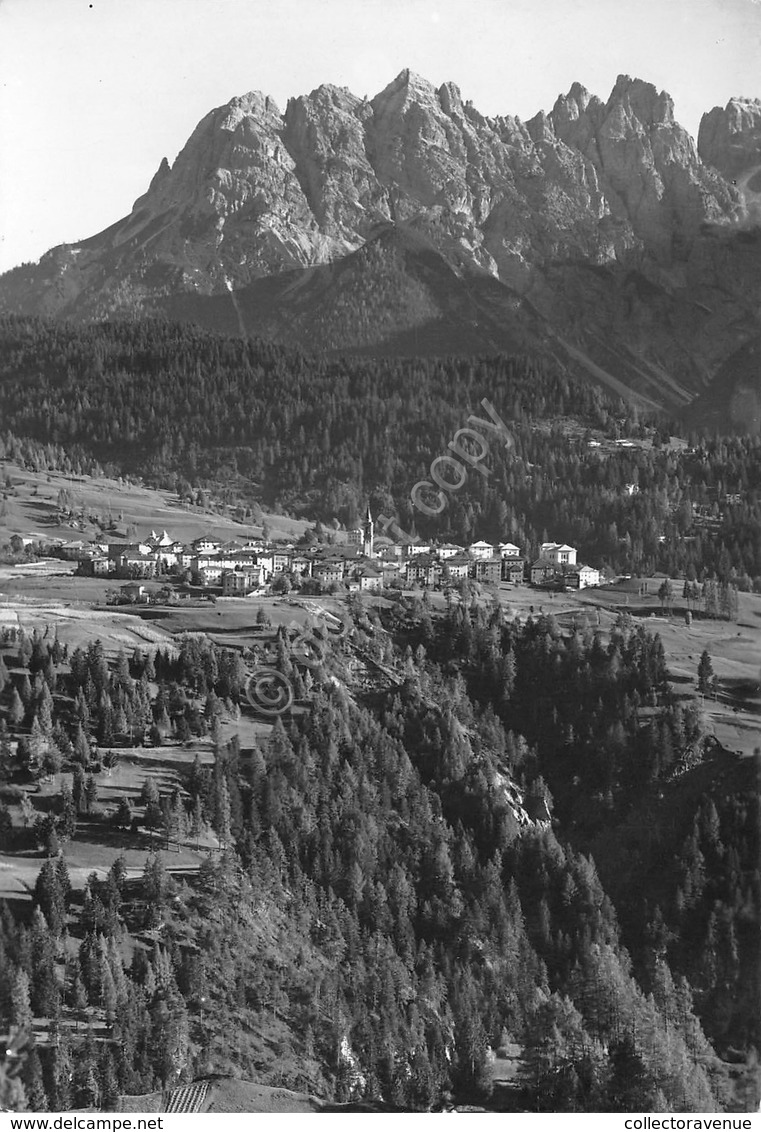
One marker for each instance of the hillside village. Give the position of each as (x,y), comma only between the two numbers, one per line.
(131,735)
(301,811)
(363,562)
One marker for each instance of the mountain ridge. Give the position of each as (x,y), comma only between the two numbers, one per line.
(537,206)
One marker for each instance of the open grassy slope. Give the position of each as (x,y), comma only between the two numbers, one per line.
(31,510)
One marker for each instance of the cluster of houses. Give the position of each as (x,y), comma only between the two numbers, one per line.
(363,563)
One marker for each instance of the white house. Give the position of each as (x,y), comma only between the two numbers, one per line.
(369,579)
(210,568)
(482,549)
(329,572)
(583,576)
(457,567)
(267,561)
(559,552)
(205,545)
(448,550)
(238,583)
(210,574)
(509,550)
(281,561)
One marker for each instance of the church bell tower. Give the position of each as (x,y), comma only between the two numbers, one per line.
(368,534)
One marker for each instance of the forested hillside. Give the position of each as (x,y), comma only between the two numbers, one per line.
(404,878)
(318,438)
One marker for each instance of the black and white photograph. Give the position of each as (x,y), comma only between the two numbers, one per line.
(380,561)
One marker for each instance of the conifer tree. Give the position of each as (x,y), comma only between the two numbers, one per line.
(20,1000)
(16,710)
(706,676)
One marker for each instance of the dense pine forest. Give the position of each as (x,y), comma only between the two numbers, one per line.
(315,438)
(472,834)
(454,844)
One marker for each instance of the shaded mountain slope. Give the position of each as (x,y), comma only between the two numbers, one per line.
(654,343)
(735,392)
(395,295)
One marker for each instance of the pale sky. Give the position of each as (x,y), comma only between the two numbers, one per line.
(93,93)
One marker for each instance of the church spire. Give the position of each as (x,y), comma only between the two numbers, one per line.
(368,534)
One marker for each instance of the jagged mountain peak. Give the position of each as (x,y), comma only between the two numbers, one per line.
(737,107)
(410,80)
(577,100)
(643,100)
(450,97)
(729,137)
(407,88)
(616,186)
(327,94)
(164,170)
(254,104)
(579,94)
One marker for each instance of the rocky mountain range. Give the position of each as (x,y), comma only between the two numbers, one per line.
(597,234)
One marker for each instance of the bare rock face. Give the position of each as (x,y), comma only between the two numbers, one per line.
(647,163)
(729,139)
(255,192)
(325,135)
(231,207)
(601,220)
